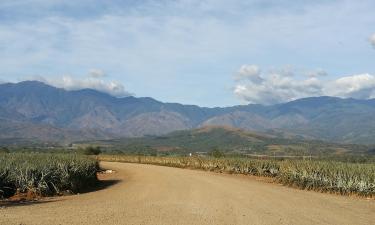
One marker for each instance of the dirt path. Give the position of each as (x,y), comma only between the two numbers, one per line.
(148,194)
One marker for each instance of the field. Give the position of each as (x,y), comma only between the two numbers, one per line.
(229,141)
(324,176)
(140,193)
(45,174)
(149,194)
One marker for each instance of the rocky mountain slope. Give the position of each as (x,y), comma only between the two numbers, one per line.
(33,110)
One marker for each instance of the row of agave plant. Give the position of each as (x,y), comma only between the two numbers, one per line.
(45,174)
(326,176)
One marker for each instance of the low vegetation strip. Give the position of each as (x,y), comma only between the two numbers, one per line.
(325,176)
(45,174)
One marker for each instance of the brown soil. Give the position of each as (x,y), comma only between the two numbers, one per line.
(146,194)
(29,196)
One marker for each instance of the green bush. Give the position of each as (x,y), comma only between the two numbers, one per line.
(4,150)
(216,153)
(91,150)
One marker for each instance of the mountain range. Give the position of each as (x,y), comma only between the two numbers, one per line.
(34,111)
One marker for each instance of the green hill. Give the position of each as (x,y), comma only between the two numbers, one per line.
(229,141)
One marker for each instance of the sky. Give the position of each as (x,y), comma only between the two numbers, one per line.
(203,52)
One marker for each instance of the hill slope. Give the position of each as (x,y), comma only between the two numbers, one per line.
(228,140)
(94,115)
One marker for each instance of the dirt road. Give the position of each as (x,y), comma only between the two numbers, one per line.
(146,194)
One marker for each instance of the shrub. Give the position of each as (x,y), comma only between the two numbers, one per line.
(4,150)
(91,150)
(216,153)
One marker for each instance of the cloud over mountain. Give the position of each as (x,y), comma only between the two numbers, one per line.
(372,40)
(279,86)
(96,73)
(251,72)
(361,86)
(92,81)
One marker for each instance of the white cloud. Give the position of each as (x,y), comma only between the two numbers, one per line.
(67,82)
(278,87)
(183,41)
(250,72)
(317,73)
(97,73)
(361,86)
(372,40)
(285,71)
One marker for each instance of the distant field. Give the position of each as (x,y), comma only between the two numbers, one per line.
(45,174)
(229,141)
(325,176)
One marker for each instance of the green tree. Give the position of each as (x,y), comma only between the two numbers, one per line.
(216,153)
(91,150)
(4,150)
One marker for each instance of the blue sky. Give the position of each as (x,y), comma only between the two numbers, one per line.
(205,52)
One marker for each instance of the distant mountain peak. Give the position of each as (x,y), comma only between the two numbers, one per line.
(27,83)
(34,104)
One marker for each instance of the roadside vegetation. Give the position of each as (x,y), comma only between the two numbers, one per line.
(324,176)
(45,174)
(54,171)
